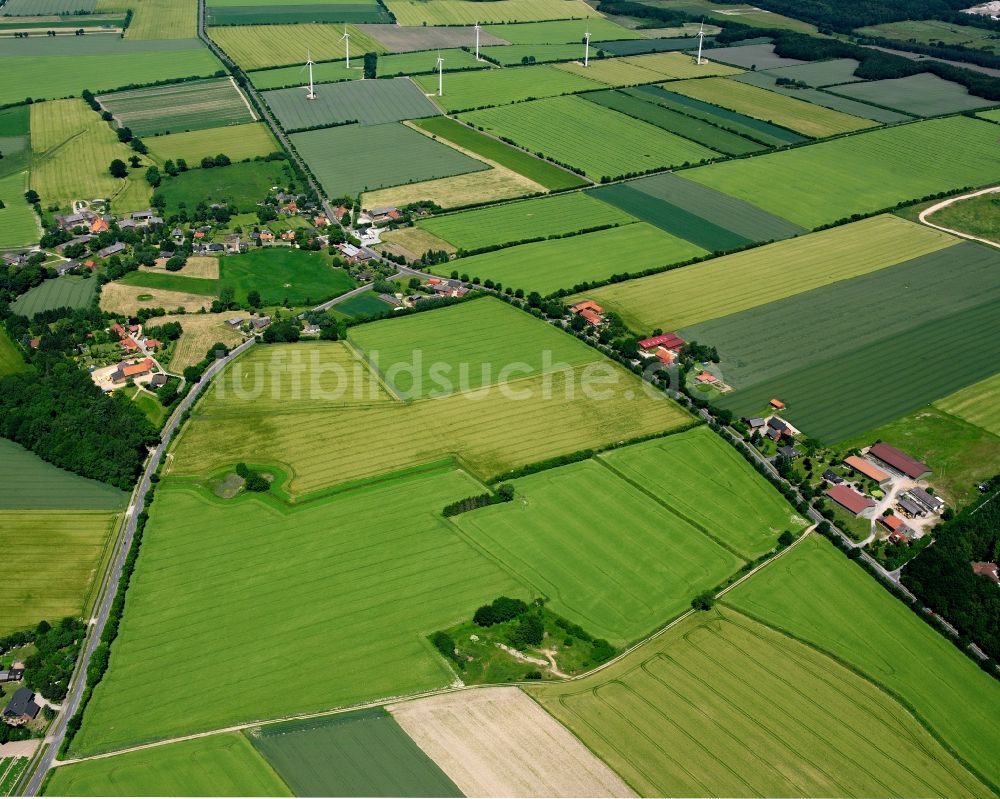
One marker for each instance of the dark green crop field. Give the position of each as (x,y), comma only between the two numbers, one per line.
(32,484)
(289,14)
(282,273)
(167,281)
(365,753)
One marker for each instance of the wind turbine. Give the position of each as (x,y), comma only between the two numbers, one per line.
(476,27)
(309,63)
(701,41)
(586,48)
(346,39)
(440,66)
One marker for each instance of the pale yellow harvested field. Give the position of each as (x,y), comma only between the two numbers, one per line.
(201,331)
(119,298)
(196,266)
(412,242)
(498,742)
(651,68)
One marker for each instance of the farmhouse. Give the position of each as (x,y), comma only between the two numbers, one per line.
(669,341)
(266,237)
(789,452)
(932,503)
(260,322)
(852,501)
(990,570)
(868,469)
(234,321)
(778,427)
(666,357)
(897,527)
(158,380)
(113,249)
(589,310)
(777,404)
(899,461)
(21,708)
(706,378)
(126,371)
(99,225)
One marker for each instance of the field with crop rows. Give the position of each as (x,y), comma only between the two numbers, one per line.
(724,706)
(68,291)
(282,273)
(362,591)
(931,30)
(503,335)
(260,46)
(469,12)
(640,147)
(364,304)
(751,56)
(607,555)
(220,765)
(548,175)
(369,102)
(382,155)
(52,557)
(19,225)
(836,398)
(924,94)
(465,90)
(30,8)
(11,769)
(34,484)
(561,32)
(274,12)
(528,219)
(641,106)
(72,148)
(862,173)
(158,19)
(537,417)
(767,341)
(458,191)
(633,70)
(716,288)
(548,266)
(978,404)
(704,480)
(820,73)
(515,54)
(171,281)
(802,117)
(365,753)
(398,39)
(237,142)
(194,105)
(875,633)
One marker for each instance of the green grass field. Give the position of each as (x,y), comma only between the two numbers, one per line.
(67,291)
(873,632)
(243,185)
(820,73)
(932,30)
(19,225)
(724,706)
(56,75)
(764,342)
(173,108)
(236,141)
(72,148)
(547,266)
(34,484)
(606,554)
(52,558)
(365,753)
(861,173)
(737,282)
(158,19)
(221,765)
(639,146)
(362,305)
(170,281)
(978,404)
(370,102)
(548,175)
(383,155)
(261,46)
(779,109)
(979,216)
(11,359)
(360,592)
(705,480)
(924,94)
(469,12)
(561,32)
(264,12)
(528,219)
(283,273)
(466,90)
(329,403)
(439,347)
(649,68)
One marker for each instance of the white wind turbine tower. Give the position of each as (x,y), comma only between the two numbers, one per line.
(701,41)
(309,63)
(346,39)
(440,66)
(476,27)
(586,48)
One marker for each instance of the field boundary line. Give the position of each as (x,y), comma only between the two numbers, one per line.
(246,102)
(950,201)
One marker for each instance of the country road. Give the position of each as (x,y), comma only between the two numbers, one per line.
(927,212)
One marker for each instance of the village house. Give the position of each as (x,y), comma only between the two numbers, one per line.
(72,242)
(899,461)
(777,428)
(266,237)
(899,531)
(990,570)
(66,266)
(590,311)
(158,380)
(380,216)
(789,452)
(832,478)
(99,225)
(14,673)
(22,707)
(668,341)
(130,371)
(234,321)
(855,503)
(260,322)
(70,221)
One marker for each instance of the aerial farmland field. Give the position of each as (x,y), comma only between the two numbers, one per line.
(158,19)
(368,102)
(873,632)
(241,185)
(18,223)
(33,484)
(561,32)
(465,90)
(527,219)
(60,292)
(194,105)
(261,46)
(365,753)
(722,705)
(11,361)
(722,286)
(384,155)
(820,73)
(220,765)
(640,147)
(171,281)
(633,70)
(281,274)
(861,173)
(751,56)
(201,331)
(359,593)
(706,481)
(978,404)
(260,12)
(547,266)
(924,94)
(607,555)
(237,142)
(779,109)
(469,12)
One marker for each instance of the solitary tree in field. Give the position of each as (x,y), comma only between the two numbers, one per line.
(118,169)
